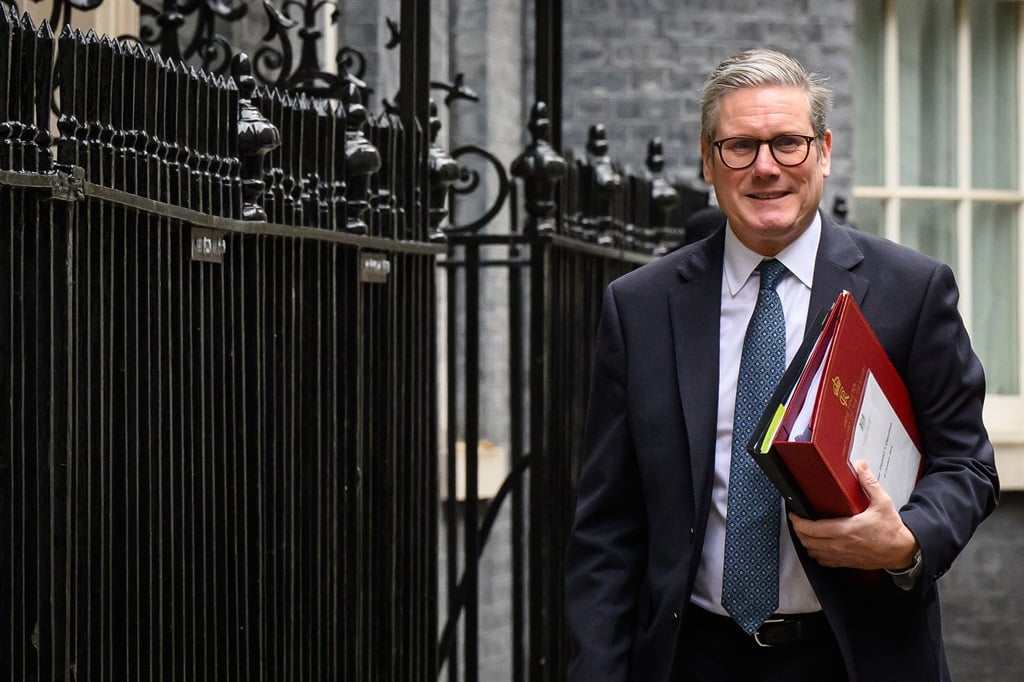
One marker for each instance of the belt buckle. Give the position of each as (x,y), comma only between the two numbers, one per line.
(757,635)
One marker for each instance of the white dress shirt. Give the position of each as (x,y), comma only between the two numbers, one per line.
(740,285)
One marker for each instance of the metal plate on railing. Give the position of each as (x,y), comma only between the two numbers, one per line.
(208,245)
(374,267)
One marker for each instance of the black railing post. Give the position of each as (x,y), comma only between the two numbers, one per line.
(414,108)
(541,168)
(256,137)
(539,484)
(548,74)
(606,189)
(42,82)
(443,171)
(664,202)
(362,160)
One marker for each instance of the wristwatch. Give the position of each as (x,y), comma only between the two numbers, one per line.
(907,577)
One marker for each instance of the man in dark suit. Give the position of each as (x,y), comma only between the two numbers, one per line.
(645,574)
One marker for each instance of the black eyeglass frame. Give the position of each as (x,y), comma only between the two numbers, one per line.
(808,139)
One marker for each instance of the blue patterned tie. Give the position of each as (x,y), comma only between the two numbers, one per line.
(750,582)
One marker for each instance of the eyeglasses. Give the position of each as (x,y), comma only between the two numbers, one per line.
(741,152)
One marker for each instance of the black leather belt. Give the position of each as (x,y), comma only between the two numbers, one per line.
(782,629)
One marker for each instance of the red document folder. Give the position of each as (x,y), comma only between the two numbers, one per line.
(840,400)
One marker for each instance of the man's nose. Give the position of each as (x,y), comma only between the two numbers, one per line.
(765,162)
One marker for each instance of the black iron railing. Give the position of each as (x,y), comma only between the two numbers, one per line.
(218,456)
(217,370)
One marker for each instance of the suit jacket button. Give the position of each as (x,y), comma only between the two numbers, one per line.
(675,616)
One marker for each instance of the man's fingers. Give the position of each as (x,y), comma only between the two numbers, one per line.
(822,528)
(869,482)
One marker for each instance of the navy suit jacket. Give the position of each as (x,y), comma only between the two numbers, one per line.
(645,487)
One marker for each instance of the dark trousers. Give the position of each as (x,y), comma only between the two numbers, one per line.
(714,649)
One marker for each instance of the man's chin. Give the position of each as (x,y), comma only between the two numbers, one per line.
(765,234)
(772,226)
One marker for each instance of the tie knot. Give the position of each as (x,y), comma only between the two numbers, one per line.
(771,272)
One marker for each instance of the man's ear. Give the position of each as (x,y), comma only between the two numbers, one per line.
(825,154)
(706,162)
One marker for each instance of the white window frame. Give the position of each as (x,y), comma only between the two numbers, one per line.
(1004,414)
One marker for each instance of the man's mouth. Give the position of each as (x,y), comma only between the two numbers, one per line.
(767,195)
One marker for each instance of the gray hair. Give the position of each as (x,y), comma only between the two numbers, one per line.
(762,68)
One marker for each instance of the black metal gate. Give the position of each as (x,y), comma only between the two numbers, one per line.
(217,439)
(587,222)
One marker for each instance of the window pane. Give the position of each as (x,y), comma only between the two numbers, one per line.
(868,79)
(996,286)
(994,94)
(868,215)
(930,227)
(927,38)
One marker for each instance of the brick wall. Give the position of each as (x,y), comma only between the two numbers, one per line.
(983,599)
(637,66)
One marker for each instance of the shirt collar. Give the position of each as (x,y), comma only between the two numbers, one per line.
(798,257)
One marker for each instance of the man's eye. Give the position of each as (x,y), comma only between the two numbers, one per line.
(787,143)
(741,146)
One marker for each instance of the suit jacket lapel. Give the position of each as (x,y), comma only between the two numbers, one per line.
(694,310)
(837,254)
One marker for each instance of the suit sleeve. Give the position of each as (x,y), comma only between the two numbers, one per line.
(607,545)
(959,487)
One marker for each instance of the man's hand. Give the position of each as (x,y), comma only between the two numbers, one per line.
(876,538)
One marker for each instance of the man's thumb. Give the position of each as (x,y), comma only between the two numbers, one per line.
(868,481)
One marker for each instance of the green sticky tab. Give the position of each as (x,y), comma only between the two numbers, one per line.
(773,428)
